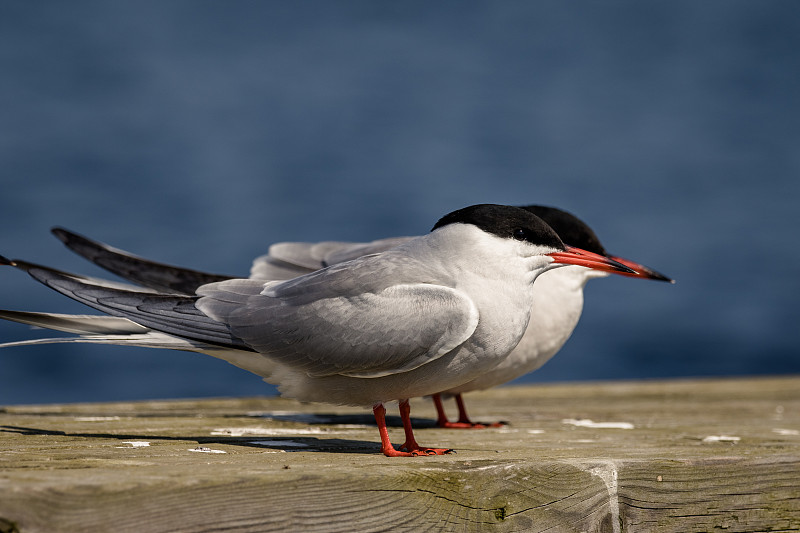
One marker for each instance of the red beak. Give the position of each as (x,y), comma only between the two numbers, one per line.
(641,270)
(577,256)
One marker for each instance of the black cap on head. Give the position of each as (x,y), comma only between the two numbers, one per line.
(506,222)
(570,228)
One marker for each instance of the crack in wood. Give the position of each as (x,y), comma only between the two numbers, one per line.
(501,513)
(435,495)
(559,500)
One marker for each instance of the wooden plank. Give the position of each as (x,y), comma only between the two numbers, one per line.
(697,456)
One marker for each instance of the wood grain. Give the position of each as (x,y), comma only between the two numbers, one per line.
(288,466)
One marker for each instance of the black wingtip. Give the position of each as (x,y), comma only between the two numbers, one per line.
(6,261)
(63,234)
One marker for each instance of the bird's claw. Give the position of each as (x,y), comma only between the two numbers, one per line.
(431,451)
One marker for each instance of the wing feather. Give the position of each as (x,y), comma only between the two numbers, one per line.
(152,274)
(361,318)
(287,260)
(374,316)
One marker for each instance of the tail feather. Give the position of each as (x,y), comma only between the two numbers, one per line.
(169,313)
(152,274)
(93,329)
(80,324)
(97,329)
(151,339)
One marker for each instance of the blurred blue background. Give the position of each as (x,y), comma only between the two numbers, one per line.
(198,133)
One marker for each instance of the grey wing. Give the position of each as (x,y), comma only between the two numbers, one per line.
(267,267)
(309,255)
(355,250)
(286,260)
(323,324)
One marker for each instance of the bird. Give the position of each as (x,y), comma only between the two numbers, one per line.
(556,309)
(423,317)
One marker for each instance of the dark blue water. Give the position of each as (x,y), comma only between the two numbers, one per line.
(198,133)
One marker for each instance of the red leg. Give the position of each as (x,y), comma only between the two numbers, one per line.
(386,445)
(410,445)
(463,419)
(441,416)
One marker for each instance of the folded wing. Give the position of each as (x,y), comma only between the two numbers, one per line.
(370,317)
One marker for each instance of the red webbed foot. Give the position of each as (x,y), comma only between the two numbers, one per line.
(416,450)
(410,448)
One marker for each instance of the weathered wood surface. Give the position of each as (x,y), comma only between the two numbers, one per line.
(698,456)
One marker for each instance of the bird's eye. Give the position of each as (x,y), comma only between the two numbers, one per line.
(520,234)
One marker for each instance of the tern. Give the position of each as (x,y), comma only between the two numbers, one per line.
(423,317)
(556,309)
